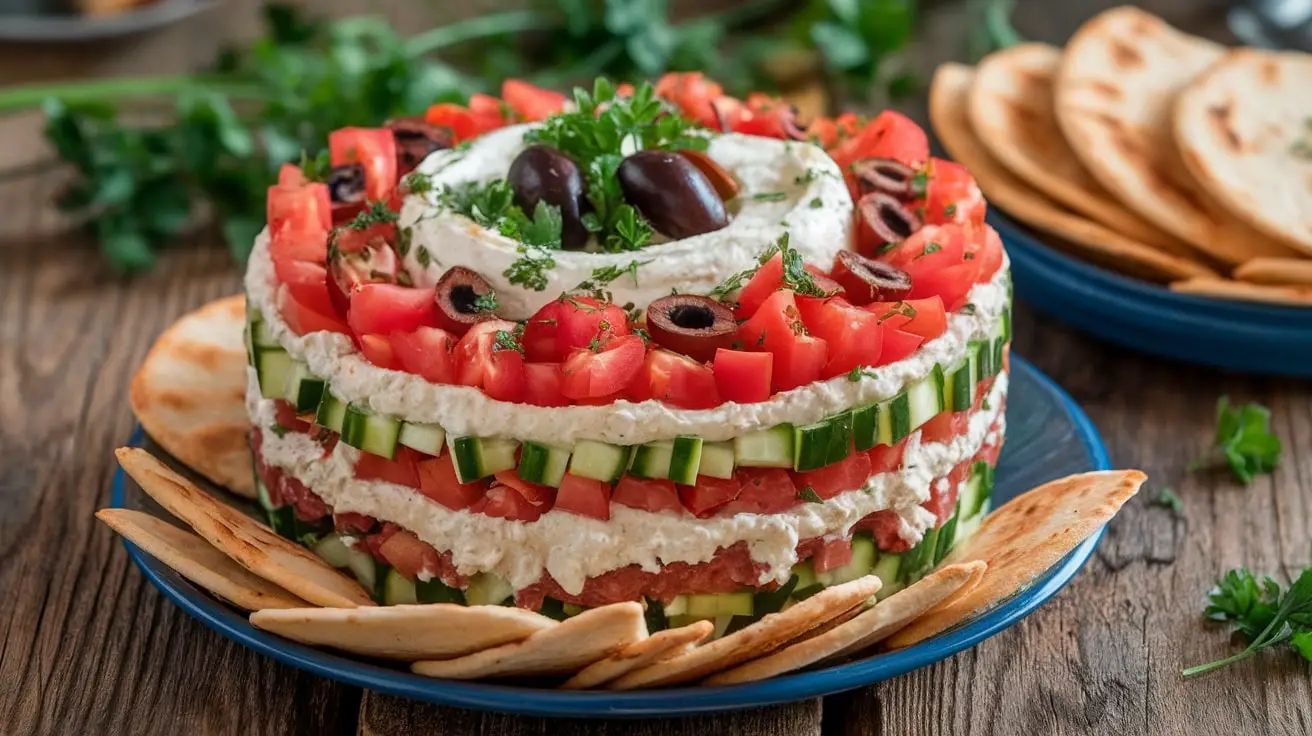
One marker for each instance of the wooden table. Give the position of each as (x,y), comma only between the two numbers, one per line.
(89,647)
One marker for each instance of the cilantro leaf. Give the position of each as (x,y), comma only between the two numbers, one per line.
(1244,441)
(1264,614)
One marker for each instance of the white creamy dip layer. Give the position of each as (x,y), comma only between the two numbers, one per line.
(786,187)
(467,411)
(574,548)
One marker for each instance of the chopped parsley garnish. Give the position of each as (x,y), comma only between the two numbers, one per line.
(1266,615)
(423,256)
(732,284)
(811,175)
(770,196)
(486,303)
(856,374)
(377,213)
(417,182)
(646,338)
(594,284)
(817,203)
(968,308)
(950,210)
(796,277)
(483,202)
(1243,441)
(317,168)
(507,340)
(901,308)
(809,495)
(278,429)
(530,269)
(1168,498)
(404,237)
(1302,148)
(920,183)
(308,539)
(931,247)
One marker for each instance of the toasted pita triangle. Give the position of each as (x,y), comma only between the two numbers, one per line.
(194,559)
(408,632)
(641,653)
(757,640)
(861,632)
(565,648)
(1294,296)
(1024,538)
(1277,271)
(253,545)
(189,394)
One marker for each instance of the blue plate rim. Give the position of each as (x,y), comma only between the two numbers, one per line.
(608,704)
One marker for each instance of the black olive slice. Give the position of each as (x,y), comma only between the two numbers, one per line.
(867,280)
(457,293)
(346,184)
(891,220)
(695,326)
(884,175)
(416,139)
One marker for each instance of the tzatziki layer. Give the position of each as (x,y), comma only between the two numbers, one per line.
(467,411)
(574,548)
(786,186)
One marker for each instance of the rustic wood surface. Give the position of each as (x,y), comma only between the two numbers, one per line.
(89,647)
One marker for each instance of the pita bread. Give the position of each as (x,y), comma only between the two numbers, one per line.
(858,633)
(1089,239)
(1244,128)
(253,545)
(194,559)
(1118,81)
(565,648)
(757,640)
(1292,296)
(407,632)
(1024,538)
(1010,109)
(189,394)
(1278,271)
(658,646)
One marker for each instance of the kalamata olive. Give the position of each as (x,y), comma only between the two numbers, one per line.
(675,196)
(358,257)
(888,217)
(415,140)
(457,296)
(725,185)
(885,175)
(540,173)
(866,280)
(346,191)
(788,121)
(695,326)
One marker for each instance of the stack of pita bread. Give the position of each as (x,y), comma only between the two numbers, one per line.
(1147,151)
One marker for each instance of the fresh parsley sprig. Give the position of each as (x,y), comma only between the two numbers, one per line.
(1244,441)
(601,277)
(795,277)
(1264,614)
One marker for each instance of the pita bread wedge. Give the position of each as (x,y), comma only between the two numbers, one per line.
(757,640)
(1022,539)
(1011,111)
(407,632)
(1277,271)
(253,545)
(194,559)
(860,632)
(189,394)
(1115,90)
(1289,296)
(1089,239)
(641,653)
(565,648)
(1244,128)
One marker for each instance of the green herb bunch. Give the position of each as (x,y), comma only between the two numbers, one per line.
(1266,615)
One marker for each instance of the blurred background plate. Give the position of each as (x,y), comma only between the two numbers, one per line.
(1239,336)
(18,23)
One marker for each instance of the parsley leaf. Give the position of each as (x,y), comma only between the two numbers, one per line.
(1243,441)
(968,308)
(931,247)
(378,213)
(816,203)
(486,203)
(796,277)
(507,340)
(1264,614)
(1168,498)
(809,495)
(901,308)
(857,373)
(603,275)
(486,303)
(278,430)
(543,229)
(316,168)
(770,196)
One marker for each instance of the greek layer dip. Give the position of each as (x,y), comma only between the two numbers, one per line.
(654,344)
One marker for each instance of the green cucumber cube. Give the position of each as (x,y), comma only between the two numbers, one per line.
(544,464)
(865,427)
(765,448)
(840,437)
(685,460)
(425,438)
(925,398)
(304,390)
(398,591)
(599,460)
(373,433)
(272,367)
(479,457)
(331,413)
(717,460)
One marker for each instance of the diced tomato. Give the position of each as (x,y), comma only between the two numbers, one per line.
(303,320)
(505,502)
(542,385)
(898,345)
(588,374)
(307,282)
(489,112)
(289,244)
(693,94)
(767,116)
(583,496)
(987,251)
(540,331)
(437,480)
(886,458)
(766,281)
(409,555)
(940,264)
(375,150)
(951,195)
(402,470)
(536,493)
(848,474)
(299,209)
(675,379)
(530,102)
(854,336)
(885,526)
(426,352)
(291,175)
(374,542)
(799,358)
(709,495)
(382,309)
(360,257)
(650,494)
(944,426)
(353,524)
(830,132)
(285,416)
(889,135)
(479,362)
(741,376)
(583,319)
(763,491)
(943,493)
(832,553)
(377,349)
(455,118)
(924,317)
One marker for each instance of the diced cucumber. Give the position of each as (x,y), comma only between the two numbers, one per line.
(436,591)
(677,607)
(772,601)
(545,464)
(895,420)
(967,527)
(765,448)
(887,568)
(479,457)
(983,353)
(968,498)
(921,557)
(599,461)
(959,386)
(840,437)
(722,624)
(261,337)
(397,591)
(711,605)
(823,443)
(717,460)
(283,521)
(572,609)
(262,493)
(925,397)
(947,536)
(807,584)
(685,459)
(373,433)
(979,489)
(333,550)
(425,438)
(652,460)
(889,589)
(863,559)
(304,390)
(487,589)
(366,569)
(682,619)
(272,367)
(865,427)
(331,413)
(654,615)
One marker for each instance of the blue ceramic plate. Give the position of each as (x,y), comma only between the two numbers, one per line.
(1240,336)
(76,28)
(1048,437)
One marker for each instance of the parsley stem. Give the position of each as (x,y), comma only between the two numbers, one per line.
(91,90)
(1218,664)
(476,28)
